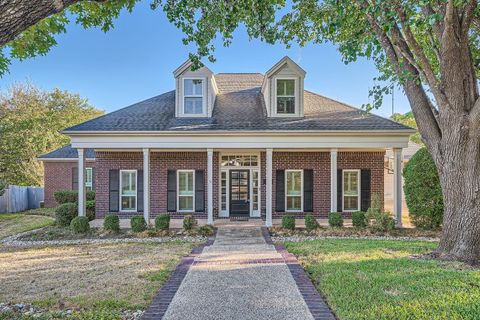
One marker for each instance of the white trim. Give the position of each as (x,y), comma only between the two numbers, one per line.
(81,184)
(267,141)
(181,112)
(301,190)
(397,186)
(406,132)
(62,159)
(89,185)
(359,186)
(146,185)
(120,192)
(178,190)
(296,113)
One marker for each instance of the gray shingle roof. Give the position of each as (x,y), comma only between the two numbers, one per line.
(239,106)
(67,152)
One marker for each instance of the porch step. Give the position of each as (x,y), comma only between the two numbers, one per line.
(239,218)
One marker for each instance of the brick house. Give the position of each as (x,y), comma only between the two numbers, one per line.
(230,144)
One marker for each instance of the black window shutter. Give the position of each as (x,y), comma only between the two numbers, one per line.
(280,191)
(171,191)
(114,189)
(75,178)
(93,179)
(365,189)
(199,191)
(308,190)
(140,190)
(339,190)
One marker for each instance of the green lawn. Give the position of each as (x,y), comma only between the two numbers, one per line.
(367,279)
(13,223)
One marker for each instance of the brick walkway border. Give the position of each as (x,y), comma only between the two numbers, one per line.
(315,302)
(165,295)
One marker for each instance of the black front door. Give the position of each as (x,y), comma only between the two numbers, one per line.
(239,192)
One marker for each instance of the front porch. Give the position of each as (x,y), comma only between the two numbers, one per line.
(217,184)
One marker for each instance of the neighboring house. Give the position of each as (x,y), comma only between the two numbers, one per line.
(232,144)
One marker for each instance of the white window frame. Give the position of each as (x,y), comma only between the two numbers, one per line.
(203,96)
(301,190)
(136,192)
(89,184)
(178,190)
(296,94)
(359,189)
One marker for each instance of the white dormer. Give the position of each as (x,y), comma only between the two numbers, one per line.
(195,91)
(283,89)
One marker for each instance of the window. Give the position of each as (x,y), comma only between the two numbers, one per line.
(255,189)
(128,190)
(239,161)
(89,179)
(185,183)
(294,186)
(351,190)
(193,96)
(224,190)
(285,96)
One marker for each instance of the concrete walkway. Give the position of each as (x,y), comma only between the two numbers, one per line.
(240,276)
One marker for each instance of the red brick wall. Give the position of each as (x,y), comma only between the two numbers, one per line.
(160,163)
(58,176)
(319,162)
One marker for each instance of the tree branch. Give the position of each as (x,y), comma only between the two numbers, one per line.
(468,15)
(18,15)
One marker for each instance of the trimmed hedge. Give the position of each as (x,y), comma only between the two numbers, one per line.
(335,219)
(111,223)
(189,222)
(68,196)
(80,225)
(288,222)
(138,224)
(90,209)
(162,222)
(383,222)
(206,231)
(359,219)
(423,192)
(65,213)
(311,223)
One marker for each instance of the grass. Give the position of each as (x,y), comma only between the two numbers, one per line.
(366,279)
(41,212)
(13,223)
(97,281)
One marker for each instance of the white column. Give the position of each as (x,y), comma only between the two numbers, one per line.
(333,180)
(146,185)
(81,183)
(269,188)
(210,186)
(397,186)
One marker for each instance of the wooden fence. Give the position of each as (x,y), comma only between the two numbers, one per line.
(17,198)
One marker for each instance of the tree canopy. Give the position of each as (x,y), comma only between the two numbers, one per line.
(409,120)
(30,125)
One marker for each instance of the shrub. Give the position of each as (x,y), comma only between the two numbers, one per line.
(111,223)
(375,206)
(205,231)
(3,187)
(138,224)
(67,196)
(335,219)
(162,222)
(359,219)
(189,222)
(288,222)
(80,225)
(423,192)
(310,222)
(383,222)
(90,209)
(65,213)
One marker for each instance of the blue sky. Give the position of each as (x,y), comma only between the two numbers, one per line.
(135,61)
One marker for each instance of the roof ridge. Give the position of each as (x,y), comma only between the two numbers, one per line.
(259,73)
(358,109)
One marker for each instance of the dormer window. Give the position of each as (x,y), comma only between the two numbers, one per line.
(285,98)
(193,97)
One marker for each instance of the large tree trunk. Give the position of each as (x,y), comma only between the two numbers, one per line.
(457,159)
